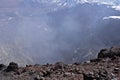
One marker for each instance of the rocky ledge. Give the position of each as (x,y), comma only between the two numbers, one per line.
(105,67)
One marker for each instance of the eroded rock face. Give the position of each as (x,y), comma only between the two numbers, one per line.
(112,52)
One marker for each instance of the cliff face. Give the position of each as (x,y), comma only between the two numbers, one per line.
(102,68)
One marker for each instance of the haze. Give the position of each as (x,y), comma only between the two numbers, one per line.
(36,31)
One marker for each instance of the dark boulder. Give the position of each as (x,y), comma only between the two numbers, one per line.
(112,52)
(95,60)
(2,66)
(88,76)
(59,65)
(12,67)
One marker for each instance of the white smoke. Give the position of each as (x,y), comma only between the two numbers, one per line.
(63,35)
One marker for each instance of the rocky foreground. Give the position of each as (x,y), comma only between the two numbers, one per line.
(105,67)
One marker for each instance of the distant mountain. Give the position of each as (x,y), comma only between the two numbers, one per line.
(15,53)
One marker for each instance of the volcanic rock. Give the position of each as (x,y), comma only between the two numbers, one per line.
(105,67)
(2,66)
(39,78)
(112,52)
(12,67)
